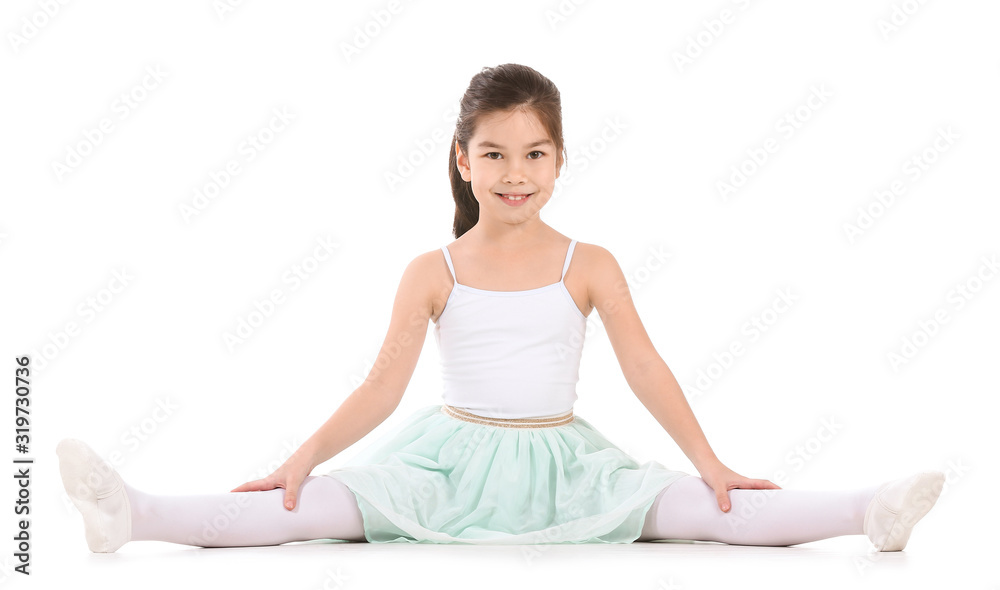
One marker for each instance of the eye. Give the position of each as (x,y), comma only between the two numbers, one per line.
(540,154)
(491,153)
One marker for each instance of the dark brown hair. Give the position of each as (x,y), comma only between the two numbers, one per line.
(503,88)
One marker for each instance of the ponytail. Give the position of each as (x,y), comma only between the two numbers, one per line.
(466,205)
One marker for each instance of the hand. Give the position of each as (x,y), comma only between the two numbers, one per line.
(722,479)
(289,476)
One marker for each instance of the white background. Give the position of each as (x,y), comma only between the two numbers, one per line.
(652,186)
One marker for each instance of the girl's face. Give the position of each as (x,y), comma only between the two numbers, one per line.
(510,154)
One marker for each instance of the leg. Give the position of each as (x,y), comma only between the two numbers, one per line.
(115,512)
(326,509)
(687,509)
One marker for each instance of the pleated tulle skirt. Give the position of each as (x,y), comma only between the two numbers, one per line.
(439,479)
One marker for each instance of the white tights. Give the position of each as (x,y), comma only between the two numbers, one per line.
(327,509)
(688,509)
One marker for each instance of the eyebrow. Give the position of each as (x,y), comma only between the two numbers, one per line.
(490,144)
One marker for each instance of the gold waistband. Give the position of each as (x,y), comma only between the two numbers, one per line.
(543,422)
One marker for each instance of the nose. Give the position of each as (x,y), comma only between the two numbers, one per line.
(514,174)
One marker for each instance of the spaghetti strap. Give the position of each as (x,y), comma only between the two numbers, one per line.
(447,258)
(569,256)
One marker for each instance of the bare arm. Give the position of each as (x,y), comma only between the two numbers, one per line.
(645,371)
(655,386)
(375,399)
(652,381)
(356,416)
(378,396)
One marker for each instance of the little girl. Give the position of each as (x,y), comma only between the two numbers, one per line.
(503,459)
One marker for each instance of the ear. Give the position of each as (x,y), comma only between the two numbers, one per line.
(462,161)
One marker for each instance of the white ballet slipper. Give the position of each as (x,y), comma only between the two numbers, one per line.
(98,492)
(897,506)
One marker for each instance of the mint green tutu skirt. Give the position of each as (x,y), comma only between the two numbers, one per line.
(439,479)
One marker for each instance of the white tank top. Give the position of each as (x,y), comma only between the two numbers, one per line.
(511,354)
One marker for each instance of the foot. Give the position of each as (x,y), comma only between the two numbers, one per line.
(98,492)
(898,505)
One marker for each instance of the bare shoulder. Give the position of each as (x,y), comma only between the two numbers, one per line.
(592,254)
(605,281)
(429,282)
(596,262)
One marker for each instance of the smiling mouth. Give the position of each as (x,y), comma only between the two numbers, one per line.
(514,196)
